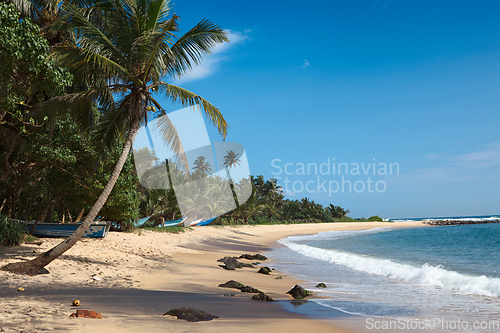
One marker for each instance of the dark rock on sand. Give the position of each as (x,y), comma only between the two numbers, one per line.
(321,285)
(248,265)
(190,314)
(264,270)
(232,284)
(231,263)
(262,297)
(240,286)
(251,290)
(253,257)
(298,292)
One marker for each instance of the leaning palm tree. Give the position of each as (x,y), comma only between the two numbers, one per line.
(120,63)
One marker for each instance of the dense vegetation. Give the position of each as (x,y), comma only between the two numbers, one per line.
(52,170)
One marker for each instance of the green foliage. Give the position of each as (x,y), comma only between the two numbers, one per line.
(375,218)
(60,166)
(31,238)
(11,233)
(26,75)
(172,230)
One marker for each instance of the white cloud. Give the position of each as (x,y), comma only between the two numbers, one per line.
(476,166)
(488,157)
(306,63)
(211,63)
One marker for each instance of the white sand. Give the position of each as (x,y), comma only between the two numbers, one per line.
(181,266)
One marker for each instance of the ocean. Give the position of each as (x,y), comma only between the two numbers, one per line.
(446,277)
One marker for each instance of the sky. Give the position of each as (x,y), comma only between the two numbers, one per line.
(410,86)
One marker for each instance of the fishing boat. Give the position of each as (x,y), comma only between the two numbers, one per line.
(205,222)
(172,223)
(180,222)
(98,229)
(200,222)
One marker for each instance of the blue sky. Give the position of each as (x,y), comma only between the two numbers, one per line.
(414,83)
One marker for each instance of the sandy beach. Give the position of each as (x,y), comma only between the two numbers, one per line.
(132,279)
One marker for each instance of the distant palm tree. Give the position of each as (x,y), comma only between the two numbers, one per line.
(124,57)
(231,159)
(201,165)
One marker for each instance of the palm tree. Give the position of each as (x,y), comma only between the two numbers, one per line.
(120,63)
(201,165)
(231,159)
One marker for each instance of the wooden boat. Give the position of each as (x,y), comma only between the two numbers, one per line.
(140,222)
(172,223)
(97,229)
(180,222)
(205,222)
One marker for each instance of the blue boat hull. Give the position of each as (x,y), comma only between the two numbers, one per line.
(96,229)
(172,223)
(206,222)
(180,222)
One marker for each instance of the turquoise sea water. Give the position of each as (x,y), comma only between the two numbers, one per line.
(448,272)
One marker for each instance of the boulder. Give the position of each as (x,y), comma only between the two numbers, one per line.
(190,314)
(251,290)
(240,286)
(321,285)
(264,270)
(262,297)
(231,263)
(298,292)
(253,257)
(248,265)
(232,284)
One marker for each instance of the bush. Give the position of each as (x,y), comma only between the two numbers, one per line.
(376,218)
(11,233)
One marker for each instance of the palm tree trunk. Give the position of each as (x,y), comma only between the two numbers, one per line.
(33,267)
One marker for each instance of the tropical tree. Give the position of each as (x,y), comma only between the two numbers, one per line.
(201,165)
(120,64)
(338,212)
(231,159)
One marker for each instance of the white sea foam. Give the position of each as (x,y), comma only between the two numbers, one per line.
(423,275)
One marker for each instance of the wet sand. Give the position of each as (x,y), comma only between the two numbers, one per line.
(132,279)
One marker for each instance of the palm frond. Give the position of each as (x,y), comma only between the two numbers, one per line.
(79,105)
(192,46)
(113,127)
(83,62)
(91,38)
(173,142)
(188,98)
(158,11)
(157,45)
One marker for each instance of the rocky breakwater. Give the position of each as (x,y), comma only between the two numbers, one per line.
(458,222)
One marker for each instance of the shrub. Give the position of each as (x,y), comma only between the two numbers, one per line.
(11,233)
(376,218)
